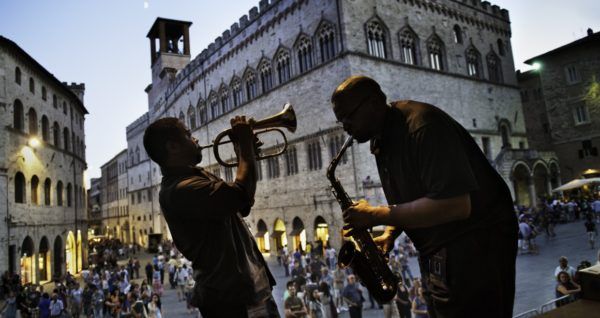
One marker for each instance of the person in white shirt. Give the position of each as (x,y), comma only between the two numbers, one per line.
(56,306)
(564,267)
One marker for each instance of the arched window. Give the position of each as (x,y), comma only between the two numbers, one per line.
(44,93)
(131,158)
(458,38)
(54,101)
(192,117)
(137,154)
(69,194)
(326,42)
(250,80)
(409,46)
(18,117)
(31,85)
(435,50)
(304,50)
(35,185)
(202,114)
(224,98)
(56,134)
(45,128)
(59,193)
(65,108)
(283,66)
(505,134)
(32,118)
(19,188)
(214,105)
(494,67)
(181,117)
(266,76)
(236,89)
(376,39)
(501,48)
(473,62)
(66,139)
(74,146)
(47,191)
(18,75)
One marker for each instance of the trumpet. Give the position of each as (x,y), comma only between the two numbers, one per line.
(284,119)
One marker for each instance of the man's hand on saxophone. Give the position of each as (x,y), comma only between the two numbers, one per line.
(362,215)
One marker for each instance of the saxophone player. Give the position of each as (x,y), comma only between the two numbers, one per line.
(442,192)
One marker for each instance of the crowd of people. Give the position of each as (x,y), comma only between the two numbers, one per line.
(320,288)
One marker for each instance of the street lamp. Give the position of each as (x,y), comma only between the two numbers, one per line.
(33,142)
(536,66)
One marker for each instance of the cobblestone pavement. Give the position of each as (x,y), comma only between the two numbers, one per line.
(535,282)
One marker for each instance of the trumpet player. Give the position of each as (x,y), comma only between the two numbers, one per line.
(204,214)
(442,192)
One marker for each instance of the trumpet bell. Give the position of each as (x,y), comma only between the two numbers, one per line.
(284,119)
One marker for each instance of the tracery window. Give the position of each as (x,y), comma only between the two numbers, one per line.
(473,62)
(224,98)
(458,38)
(494,67)
(250,85)
(283,67)
(192,117)
(236,88)
(435,49)
(215,110)
(408,47)
(326,42)
(304,54)
(376,39)
(266,76)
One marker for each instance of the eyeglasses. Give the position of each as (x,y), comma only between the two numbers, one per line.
(345,119)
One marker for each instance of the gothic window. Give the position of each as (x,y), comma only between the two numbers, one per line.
(326,42)
(137,154)
(273,167)
(283,67)
(18,117)
(66,138)
(18,75)
(291,161)
(59,193)
(501,48)
(236,89)
(435,50)
(224,98)
(494,67)
(473,61)
(44,93)
(45,129)
(376,39)
(458,38)
(47,191)
(35,185)
(304,54)
(54,101)
(32,118)
(31,85)
(335,144)
(505,135)
(181,117)
(192,117)
(214,105)
(408,47)
(266,76)
(69,194)
(314,155)
(250,85)
(19,188)
(202,113)
(56,134)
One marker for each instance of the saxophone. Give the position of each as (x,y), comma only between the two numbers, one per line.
(367,262)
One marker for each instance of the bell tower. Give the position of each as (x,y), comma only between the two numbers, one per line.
(169,51)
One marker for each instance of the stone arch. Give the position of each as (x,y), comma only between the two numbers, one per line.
(70,253)
(321,230)
(262,236)
(27,261)
(58,256)
(541,179)
(45,129)
(521,178)
(18,115)
(20,188)
(33,122)
(44,260)
(298,234)
(279,234)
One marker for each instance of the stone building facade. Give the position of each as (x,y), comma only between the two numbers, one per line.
(453,54)
(94,201)
(42,159)
(562,104)
(115,207)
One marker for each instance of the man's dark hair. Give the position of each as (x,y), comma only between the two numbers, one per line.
(158,134)
(356,89)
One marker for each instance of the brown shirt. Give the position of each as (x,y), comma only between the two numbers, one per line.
(202,212)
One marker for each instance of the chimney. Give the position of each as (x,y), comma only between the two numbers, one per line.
(590,31)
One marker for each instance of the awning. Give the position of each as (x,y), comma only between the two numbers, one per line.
(260,234)
(577,183)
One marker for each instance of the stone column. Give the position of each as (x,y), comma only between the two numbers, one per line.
(532,196)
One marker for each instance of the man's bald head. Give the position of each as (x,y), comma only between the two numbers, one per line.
(355,90)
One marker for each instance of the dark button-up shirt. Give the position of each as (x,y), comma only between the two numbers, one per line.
(423,152)
(203,214)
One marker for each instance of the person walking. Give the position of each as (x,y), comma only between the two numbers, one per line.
(154,307)
(590,228)
(56,306)
(353,297)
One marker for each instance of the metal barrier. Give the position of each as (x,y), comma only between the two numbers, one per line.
(552,304)
(528,314)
